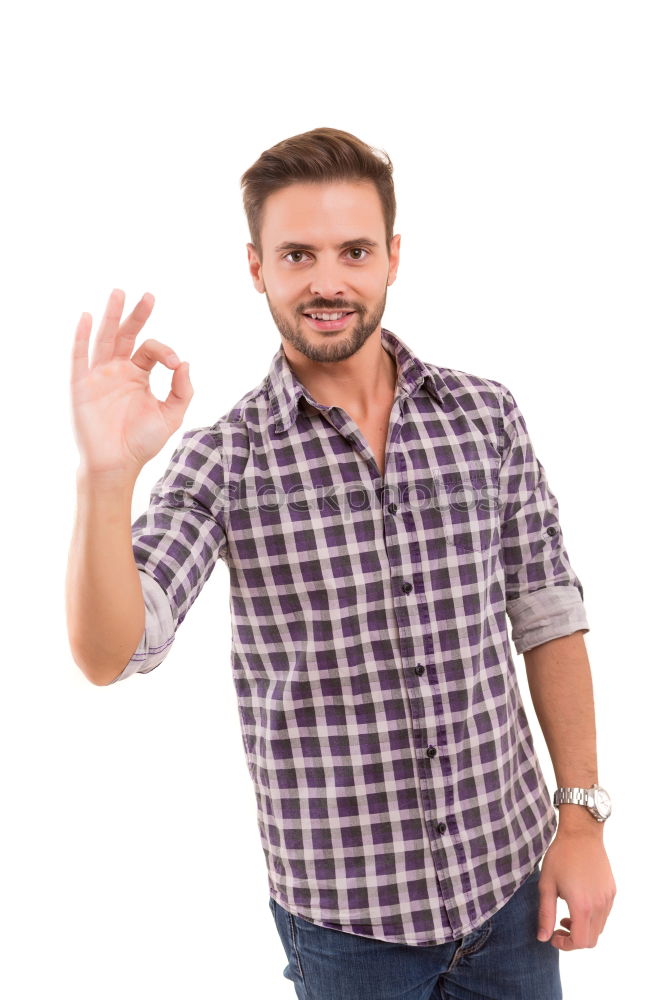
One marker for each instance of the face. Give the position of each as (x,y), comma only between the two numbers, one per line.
(324,250)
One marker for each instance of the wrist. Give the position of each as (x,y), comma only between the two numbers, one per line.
(576,819)
(582,805)
(103,481)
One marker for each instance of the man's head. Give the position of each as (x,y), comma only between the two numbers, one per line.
(320,209)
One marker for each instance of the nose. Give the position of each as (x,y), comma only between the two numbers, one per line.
(326,281)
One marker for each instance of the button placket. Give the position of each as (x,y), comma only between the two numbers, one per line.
(416,646)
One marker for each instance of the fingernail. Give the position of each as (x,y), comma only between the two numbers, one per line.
(542,935)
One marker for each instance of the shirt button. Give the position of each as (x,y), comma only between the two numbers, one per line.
(552,530)
(392,508)
(441,827)
(419,668)
(406,587)
(431,751)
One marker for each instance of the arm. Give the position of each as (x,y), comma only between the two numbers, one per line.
(545,607)
(544,596)
(560,682)
(119,425)
(575,866)
(176,543)
(105,608)
(130,586)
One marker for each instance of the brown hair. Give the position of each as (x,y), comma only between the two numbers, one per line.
(323,154)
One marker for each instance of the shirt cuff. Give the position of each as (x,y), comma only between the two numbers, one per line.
(546,614)
(158,633)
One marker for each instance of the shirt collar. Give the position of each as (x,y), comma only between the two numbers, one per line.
(286,393)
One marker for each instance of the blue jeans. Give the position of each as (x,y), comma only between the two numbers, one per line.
(501,960)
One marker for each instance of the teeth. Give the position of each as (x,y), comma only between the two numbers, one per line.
(328,316)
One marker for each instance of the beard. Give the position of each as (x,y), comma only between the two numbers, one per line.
(364,324)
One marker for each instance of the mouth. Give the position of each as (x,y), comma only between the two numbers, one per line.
(338,323)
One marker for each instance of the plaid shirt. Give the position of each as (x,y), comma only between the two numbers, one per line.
(398,791)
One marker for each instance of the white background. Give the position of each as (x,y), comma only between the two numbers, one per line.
(528,145)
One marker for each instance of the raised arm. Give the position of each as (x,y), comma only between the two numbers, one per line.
(119,425)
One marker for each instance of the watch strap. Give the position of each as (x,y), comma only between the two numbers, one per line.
(573,796)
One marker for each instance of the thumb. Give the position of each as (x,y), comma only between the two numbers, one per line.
(547,909)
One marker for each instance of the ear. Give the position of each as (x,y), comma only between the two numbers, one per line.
(255,267)
(394,259)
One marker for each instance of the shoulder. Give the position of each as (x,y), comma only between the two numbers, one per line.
(229,426)
(250,405)
(477,395)
(485,402)
(234,431)
(469,389)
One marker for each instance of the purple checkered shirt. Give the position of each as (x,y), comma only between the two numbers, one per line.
(398,792)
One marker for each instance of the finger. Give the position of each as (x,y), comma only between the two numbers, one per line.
(178,400)
(602,923)
(80,347)
(580,926)
(130,327)
(106,335)
(547,908)
(597,922)
(562,940)
(566,942)
(562,937)
(151,351)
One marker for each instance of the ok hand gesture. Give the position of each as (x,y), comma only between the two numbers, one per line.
(119,424)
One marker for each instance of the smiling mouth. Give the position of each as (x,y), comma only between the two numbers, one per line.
(329,324)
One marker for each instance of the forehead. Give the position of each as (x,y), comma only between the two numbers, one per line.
(322,210)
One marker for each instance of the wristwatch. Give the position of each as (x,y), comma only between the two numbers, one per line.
(596,799)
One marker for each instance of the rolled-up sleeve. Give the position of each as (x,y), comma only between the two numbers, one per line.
(544,596)
(177,541)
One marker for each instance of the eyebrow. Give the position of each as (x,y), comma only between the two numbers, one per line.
(360,241)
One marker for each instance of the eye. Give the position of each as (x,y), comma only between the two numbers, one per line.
(301,254)
(291,252)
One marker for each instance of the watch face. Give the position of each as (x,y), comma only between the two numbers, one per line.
(602,802)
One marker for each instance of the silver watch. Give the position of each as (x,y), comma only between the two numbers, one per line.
(596,799)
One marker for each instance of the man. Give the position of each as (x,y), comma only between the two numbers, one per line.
(381,518)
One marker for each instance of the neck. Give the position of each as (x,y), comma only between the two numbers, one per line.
(357,384)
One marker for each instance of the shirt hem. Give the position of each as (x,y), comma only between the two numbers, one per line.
(467,928)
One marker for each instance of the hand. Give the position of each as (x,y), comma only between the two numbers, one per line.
(118,423)
(575,868)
